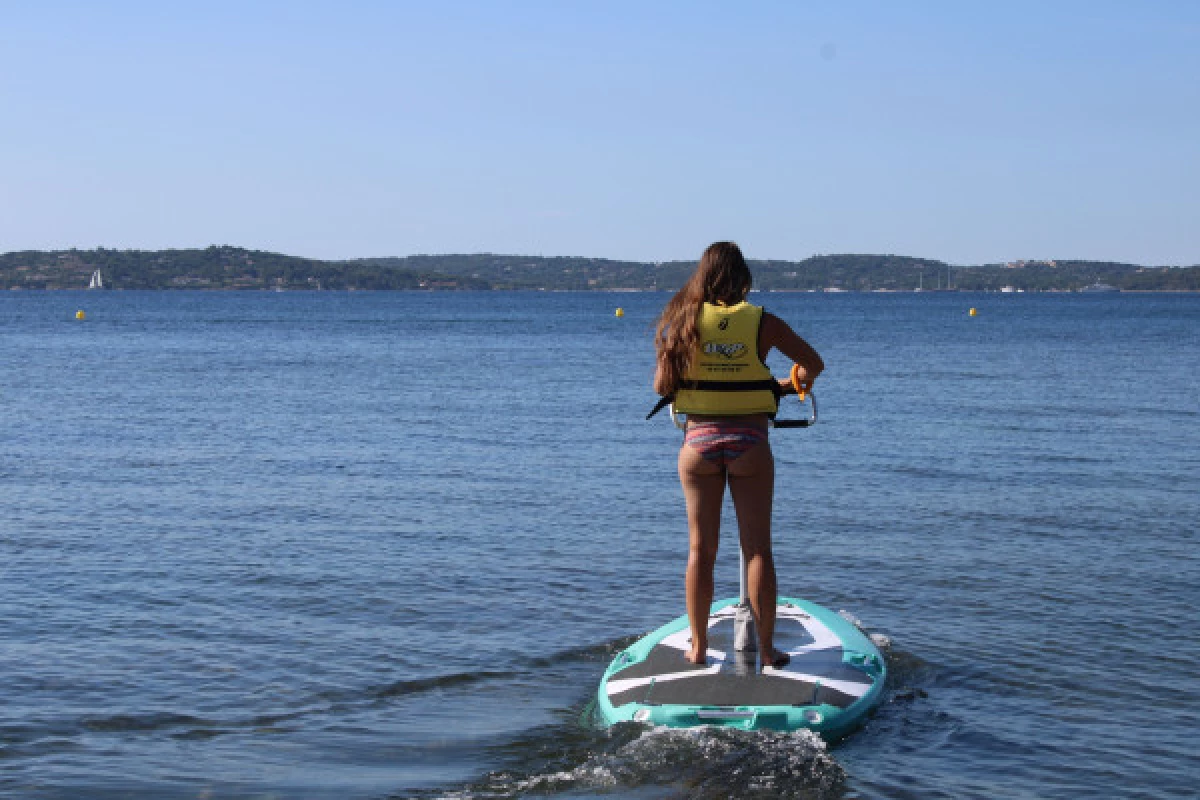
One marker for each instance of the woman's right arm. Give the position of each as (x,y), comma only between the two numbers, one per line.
(778,334)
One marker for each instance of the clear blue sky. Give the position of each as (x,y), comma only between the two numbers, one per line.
(966,131)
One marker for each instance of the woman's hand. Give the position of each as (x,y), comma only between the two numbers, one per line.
(789,387)
(799,380)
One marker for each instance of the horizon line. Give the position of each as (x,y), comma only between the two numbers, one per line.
(1023,261)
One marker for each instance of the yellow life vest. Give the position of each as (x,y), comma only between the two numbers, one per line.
(727,378)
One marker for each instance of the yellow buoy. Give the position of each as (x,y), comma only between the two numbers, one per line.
(620,312)
(79,314)
(973,312)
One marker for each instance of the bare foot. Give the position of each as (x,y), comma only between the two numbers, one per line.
(697,655)
(776,659)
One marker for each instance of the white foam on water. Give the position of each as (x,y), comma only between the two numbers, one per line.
(882,641)
(707,762)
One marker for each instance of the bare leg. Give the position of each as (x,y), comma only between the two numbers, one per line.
(752,484)
(703,491)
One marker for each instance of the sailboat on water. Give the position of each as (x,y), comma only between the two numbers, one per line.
(97,282)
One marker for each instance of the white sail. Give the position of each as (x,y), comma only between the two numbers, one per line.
(97,282)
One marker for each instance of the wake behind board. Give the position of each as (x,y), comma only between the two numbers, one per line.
(835,676)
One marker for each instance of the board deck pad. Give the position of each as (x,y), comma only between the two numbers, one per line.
(815,675)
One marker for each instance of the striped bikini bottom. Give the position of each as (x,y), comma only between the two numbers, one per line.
(722,442)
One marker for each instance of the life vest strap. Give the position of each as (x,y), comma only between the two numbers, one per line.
(663,402)
(770,385)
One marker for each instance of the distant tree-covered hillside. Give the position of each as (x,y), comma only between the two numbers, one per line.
(210,268)
(237,268)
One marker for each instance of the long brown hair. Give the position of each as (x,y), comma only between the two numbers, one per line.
(722,277)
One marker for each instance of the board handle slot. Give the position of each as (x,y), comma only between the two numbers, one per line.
(725,713)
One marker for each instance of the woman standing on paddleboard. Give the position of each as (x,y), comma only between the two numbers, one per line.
(712,347)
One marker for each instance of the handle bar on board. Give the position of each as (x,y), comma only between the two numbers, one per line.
(798,388)
(802,390)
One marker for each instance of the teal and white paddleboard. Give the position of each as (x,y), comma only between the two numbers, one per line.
(835,676)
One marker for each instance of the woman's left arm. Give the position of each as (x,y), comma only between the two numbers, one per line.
(775,333)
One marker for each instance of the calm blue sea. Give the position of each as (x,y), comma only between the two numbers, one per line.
(382,545)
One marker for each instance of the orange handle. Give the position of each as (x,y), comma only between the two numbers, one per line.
(801,389)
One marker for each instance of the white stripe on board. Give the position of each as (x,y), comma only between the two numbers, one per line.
(823,638)
(618,686)
(845,687)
